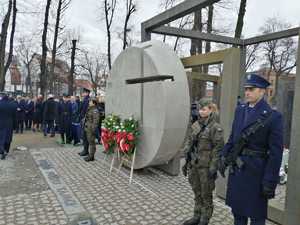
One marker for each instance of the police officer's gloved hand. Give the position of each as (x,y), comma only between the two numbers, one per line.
(268,193)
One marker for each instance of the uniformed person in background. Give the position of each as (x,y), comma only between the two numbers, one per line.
(29,112)
(20,114)
(49,115)
(202,151)
(8,110)
(251,186)
(90,124)
(65,119)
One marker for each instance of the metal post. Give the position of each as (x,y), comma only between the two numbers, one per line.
(292,203)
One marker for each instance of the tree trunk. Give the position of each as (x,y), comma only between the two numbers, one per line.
(209,30)
(198,87)
(43,75)
(11,41)
(3,39)
(240,20)
(29,78)
(53,57)
(108,19)
(71,77)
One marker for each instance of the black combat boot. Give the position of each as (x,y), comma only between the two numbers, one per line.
(84,152)
(89,158)
(193,221)
(2,156)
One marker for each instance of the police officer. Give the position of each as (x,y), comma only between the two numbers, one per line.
(91,121)
(202,150)
(29,112)
(49,115)
(252,185)
(7,116)
(75,127)
(65,114)
(20,114)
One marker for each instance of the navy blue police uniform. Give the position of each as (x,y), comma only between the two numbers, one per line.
(83,109)
(65,114)
(29,113)
(250,187)
(21,105)
(7,117)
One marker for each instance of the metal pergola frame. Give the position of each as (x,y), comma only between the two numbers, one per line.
(157,24)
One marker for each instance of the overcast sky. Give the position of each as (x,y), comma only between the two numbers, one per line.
(86,14)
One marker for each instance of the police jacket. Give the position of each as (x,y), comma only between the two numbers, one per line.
(7,113)
(50,110)
(244,189)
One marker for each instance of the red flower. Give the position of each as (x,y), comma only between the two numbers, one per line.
(130,137)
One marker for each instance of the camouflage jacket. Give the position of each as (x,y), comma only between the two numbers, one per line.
(92,118)
(210,141)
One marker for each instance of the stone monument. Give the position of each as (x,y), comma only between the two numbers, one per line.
(149,82)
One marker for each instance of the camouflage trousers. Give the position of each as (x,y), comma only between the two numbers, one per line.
(89,142)
(203,187)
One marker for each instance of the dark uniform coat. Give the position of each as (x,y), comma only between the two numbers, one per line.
(21,106)
(50,110)
(244,191)
(7,117)
(65,116)
(29,109)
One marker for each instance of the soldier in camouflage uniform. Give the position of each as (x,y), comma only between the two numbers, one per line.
(91,121)
(202,155)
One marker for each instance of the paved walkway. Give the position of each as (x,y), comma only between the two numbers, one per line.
(56,186)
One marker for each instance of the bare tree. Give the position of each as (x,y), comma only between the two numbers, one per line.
(43,75)
(251,55)
(281,54)
(94,65)
(11,41)
(183,22)
(4,29)
(109,10)
(25,53)
(130,9)
(209,28)
(240,20)
(61,7)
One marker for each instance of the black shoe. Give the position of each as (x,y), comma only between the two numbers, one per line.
(193,221)
(2,157)
(52,135)
(83,153)
(88,159)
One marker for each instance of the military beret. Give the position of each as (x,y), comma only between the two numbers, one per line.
(254,80)
(204,102)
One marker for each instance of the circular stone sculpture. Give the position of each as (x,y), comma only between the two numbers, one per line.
(162,107)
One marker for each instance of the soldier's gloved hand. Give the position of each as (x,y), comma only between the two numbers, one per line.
(268,193)
(222,167)
(212,174)
(184,170)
